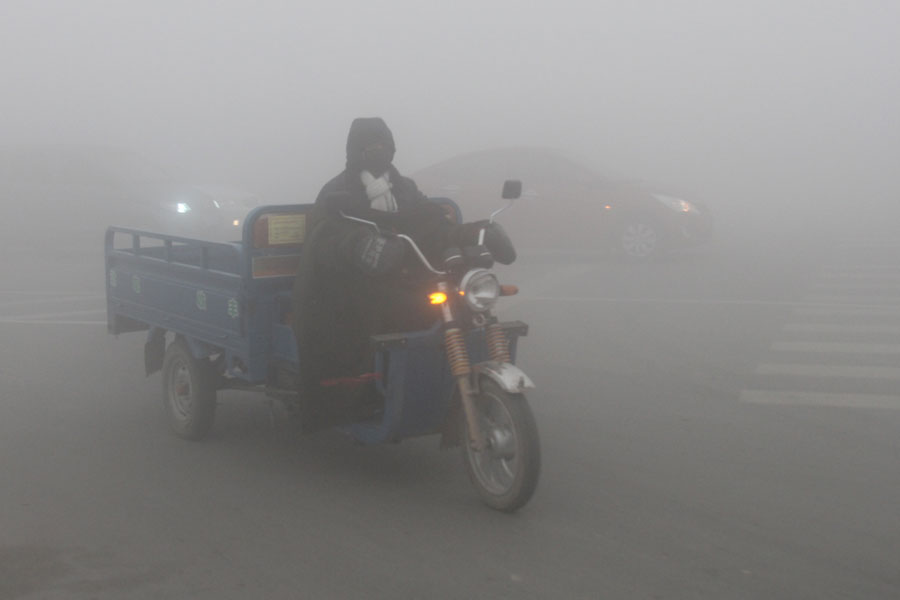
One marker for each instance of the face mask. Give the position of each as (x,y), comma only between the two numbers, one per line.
(376,159)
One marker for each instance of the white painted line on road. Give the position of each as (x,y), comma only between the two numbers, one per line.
(836,347)
(844,311)
(71,313)
(6,321)
(793,398)
(65,293)
(714,302)
(856,285)
(869,245)
(852,371)
(860,275)
(54,300)
(836,328)
(855,299)
(858,268)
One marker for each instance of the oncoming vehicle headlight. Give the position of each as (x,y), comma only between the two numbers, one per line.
(182,207)
(480,289)
(676,204)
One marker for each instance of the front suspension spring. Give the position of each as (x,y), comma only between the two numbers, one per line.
(498,345)
(457,355)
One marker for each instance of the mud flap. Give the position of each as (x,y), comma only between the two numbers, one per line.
(154,350)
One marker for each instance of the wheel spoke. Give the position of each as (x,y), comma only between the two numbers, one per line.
(496,465)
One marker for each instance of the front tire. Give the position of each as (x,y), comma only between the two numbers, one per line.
(505,473)
(641,240)
(188,392)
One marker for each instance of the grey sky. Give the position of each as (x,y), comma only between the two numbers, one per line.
(704,94)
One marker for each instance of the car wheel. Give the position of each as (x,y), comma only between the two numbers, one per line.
(640,240)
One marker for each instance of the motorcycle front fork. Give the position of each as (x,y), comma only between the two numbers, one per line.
(461,367)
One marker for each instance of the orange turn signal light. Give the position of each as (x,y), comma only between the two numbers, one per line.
(437,298)
(509,290)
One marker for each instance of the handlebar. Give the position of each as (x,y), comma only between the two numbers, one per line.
(421,256)
(402,236)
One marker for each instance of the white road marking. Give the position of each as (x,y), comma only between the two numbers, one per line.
(796,398)
(847,311)
(71,313)
(854,299)
(859,275)
(862,268)
(868,244)
(847,299)
(878,284)
(60,293)
(52,300)
(717,302)
(838,328)
(836,347)
(852,371)
(7,321)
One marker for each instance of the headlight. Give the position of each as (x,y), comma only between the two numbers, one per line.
(480,289)
(676,204)
(183,207)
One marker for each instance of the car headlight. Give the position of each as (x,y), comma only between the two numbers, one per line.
(183,207)
(676,204)
(480,289)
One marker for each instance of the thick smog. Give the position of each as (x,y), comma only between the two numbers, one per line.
(578,300)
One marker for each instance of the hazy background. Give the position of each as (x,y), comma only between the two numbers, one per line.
(738,102)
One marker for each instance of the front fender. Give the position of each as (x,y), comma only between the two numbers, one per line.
(508,376)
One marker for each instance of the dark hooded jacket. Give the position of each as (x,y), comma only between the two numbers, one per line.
(338,306)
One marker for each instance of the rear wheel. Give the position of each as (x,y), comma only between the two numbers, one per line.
(505,473)
(188,392)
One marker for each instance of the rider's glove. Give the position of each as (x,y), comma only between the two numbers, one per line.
(376,254)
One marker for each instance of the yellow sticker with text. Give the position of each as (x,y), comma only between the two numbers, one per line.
(287,229)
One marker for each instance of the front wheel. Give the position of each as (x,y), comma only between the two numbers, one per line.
(506,472)
(641,240)
(188,392)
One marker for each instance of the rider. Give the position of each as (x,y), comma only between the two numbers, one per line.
(355,281)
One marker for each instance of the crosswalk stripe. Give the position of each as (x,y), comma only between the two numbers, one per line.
(879,284)
(862,268)
(838,328)
(7,321)
(852,371)
(847,311)
(798,398)
(859,275)
(56,315)
(854,299)
(836,347)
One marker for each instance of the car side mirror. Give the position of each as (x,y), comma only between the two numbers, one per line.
(512,189)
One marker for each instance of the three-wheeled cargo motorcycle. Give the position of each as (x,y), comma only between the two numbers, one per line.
(217,317)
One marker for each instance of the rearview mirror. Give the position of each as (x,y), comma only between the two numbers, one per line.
(512,189)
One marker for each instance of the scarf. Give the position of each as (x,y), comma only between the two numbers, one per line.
(378,189)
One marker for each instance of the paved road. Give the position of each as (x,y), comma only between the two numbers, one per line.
(722,425)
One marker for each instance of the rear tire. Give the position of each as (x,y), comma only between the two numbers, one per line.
(505,473)
(188,392)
